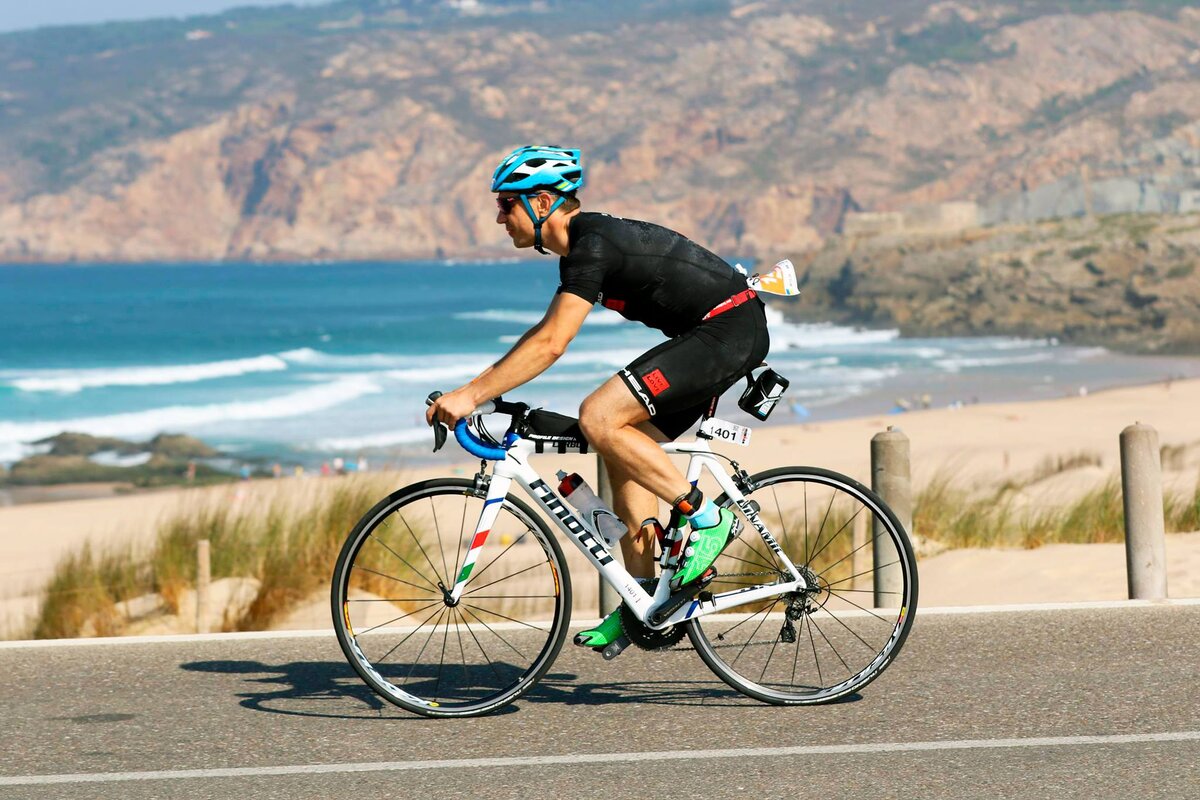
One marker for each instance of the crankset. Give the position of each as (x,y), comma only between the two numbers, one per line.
(647,638)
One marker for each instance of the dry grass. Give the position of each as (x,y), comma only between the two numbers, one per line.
(286,535)
(957,517)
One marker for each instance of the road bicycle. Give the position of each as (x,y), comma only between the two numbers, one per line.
(451,597)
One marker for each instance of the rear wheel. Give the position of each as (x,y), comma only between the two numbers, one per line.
(837,636)
(405,637)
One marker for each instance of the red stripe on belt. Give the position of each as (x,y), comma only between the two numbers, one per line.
(732,302)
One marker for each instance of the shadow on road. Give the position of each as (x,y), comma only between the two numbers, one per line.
(333,690)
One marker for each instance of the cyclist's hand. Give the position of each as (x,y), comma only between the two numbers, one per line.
(450,408)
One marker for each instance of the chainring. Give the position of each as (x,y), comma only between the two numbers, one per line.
(648,638)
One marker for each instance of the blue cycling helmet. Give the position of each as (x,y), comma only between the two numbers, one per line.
(535,168)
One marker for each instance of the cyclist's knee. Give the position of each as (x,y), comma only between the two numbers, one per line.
(595,422)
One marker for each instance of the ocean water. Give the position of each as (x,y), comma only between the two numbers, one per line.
(306,361)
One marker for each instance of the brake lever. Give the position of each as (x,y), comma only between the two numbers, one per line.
(439,428)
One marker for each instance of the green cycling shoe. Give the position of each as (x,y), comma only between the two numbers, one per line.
(603,634)
(703,547)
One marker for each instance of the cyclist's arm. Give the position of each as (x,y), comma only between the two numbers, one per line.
(532,355)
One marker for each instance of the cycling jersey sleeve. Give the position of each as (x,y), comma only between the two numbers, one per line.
(582,272)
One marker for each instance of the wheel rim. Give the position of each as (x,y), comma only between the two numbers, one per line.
(824,643)
(414,646)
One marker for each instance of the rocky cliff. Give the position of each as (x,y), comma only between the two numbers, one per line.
(1124,281)
(368,128)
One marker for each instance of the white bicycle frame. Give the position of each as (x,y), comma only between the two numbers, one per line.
(515,467)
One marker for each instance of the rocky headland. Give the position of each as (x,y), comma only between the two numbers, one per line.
(1128,282)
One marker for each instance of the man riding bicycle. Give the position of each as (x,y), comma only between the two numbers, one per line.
(649,274)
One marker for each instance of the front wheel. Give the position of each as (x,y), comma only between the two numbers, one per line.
(398,625)
(835,637)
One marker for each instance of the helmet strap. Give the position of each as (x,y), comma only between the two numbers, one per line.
(537,221)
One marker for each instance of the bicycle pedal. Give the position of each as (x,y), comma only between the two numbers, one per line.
(614,648)
(685,593)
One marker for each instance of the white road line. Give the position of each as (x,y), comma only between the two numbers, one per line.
(602,758)
(576,624)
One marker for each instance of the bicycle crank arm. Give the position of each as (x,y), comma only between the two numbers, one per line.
(662,613)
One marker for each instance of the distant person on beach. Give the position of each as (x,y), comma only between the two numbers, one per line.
(648,274)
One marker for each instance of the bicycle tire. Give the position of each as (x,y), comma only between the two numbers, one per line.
(836,617)
(376,557)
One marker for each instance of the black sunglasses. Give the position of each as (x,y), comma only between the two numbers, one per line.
(505,204)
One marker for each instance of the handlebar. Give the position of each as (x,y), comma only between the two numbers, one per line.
(476,446)
(468,440)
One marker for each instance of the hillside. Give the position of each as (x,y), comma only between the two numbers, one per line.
(1128,282)
(368,128)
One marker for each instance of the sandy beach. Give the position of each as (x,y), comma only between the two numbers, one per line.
(976,443)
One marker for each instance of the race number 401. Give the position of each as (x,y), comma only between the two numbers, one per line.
(726,431)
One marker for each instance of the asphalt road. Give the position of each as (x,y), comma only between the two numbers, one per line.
(1031,704)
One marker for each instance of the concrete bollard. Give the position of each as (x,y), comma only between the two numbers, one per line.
(609,599)
(1141,490)
(891,480)
(203,580)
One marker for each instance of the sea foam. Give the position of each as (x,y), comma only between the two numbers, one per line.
(71,381)
(176,418)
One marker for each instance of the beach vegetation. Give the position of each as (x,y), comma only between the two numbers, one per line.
(956,516)
(285,535)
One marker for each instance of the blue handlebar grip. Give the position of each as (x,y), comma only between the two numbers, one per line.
(475,446)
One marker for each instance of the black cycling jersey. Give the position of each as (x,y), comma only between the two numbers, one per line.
(645,272)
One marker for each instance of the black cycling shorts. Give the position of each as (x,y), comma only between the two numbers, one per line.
(677,380)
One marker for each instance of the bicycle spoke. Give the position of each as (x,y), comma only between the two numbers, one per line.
(752,635)
(397,619)
(406,638)
(814,624)
(782,522)
(821,549)
(770,655)
(428,639)
(397,580)
(500,555)
(852,632)
(500,580)
(420,546)
(839,533)
(813,642)
(861,608)
(388,600)
(462,529)
(493,632)
(490,662)
(437,534)
(752,563)
(866,572)
(403,560)
(848,555)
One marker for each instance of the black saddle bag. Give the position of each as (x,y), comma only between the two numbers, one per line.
(763,390)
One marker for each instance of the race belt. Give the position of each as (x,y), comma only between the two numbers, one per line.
(733,302)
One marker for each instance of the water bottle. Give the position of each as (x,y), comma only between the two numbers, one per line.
(595,512)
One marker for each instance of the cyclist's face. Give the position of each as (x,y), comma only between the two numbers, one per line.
(511,213)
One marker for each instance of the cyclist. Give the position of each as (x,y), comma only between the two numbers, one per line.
(649,274)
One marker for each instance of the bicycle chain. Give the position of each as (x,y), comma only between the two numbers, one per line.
(649,639)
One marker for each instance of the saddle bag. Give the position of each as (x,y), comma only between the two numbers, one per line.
(764,388)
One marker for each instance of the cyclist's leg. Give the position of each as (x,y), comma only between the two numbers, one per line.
(635,504)
(633,452)
(616,427)
(612,420)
